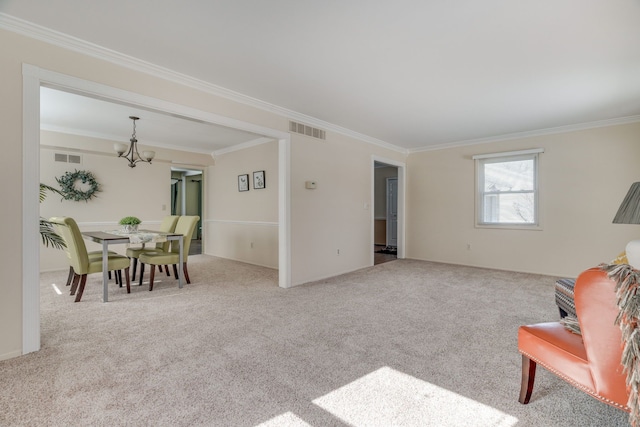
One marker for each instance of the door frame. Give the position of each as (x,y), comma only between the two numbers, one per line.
(187,172)
(33,77)
(388,225)
(402,173)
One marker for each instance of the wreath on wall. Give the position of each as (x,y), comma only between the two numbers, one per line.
(70,191)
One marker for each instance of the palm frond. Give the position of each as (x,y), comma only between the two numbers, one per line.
(49,235)
(47,232)
(43,191)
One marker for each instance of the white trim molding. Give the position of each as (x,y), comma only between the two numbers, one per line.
(531,134)
(508,154)
(229,221)
(56,38)
(65,41)
(35,77)
(238,147)
(402,209)
(30,209)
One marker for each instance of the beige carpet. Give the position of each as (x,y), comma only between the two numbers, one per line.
(405,343)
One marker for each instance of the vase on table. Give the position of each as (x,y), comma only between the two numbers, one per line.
(130,228)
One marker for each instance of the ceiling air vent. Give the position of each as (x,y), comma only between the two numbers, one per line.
(68,158)
(306,130)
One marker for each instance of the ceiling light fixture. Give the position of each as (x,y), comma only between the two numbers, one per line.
(132,154)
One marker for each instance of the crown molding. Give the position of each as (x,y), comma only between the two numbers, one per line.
(531,134)
(238,147)
(31,30)
(115,138)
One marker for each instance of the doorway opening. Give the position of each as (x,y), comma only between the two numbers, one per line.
(187,199)
(385,201)
(33,79)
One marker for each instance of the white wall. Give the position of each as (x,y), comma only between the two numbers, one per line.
(243,225)
(584,176)
(142,191)
(337,215)
(341,165)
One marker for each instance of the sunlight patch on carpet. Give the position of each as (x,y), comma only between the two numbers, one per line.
(389,397)
(56,289)
(287,419)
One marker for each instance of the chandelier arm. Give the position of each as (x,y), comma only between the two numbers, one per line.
(126,155)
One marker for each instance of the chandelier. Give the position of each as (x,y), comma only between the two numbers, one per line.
(132,154)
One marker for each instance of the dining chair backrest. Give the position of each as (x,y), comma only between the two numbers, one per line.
(185,226)
(77,250)
(168,225)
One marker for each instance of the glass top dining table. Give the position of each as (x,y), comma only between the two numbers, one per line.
(112,237)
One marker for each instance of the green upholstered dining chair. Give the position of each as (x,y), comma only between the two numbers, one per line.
(81,263)
(186,226)
(168,225)
(92,255)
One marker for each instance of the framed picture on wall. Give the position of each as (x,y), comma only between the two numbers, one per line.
(243,182)
(258,180)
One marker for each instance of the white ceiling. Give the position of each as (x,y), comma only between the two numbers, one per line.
(80,115)
(412,73)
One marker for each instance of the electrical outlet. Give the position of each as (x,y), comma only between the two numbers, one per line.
(468,246)
(338,251)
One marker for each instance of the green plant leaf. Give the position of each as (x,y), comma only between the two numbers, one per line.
(49,236)
(130,220)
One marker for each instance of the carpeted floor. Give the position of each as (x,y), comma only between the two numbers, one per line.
(405,343)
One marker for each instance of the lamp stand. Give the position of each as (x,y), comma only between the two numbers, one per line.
(633,254)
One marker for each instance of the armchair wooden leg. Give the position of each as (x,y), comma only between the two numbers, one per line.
(528,378)
(135,264)
(83,281)
(175,271)
(166,268)
(74,285)
(119,277)
(126,276)
(70,277)
(186,273)
(151,276)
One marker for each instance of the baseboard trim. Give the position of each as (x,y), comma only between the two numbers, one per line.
(11,355)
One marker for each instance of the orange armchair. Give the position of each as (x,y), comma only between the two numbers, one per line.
(590,362)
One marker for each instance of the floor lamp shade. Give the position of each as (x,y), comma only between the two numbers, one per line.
(629,213)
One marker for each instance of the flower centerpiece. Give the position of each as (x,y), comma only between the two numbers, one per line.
(130,224)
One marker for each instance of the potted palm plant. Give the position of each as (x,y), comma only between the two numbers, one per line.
(130,224)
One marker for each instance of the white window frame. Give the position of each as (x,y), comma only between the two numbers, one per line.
(481,160)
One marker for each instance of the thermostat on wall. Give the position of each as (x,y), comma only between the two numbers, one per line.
(311,185)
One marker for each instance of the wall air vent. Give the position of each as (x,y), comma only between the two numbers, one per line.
(68,158)
(306,130)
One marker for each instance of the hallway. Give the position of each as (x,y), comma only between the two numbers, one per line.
(380,257)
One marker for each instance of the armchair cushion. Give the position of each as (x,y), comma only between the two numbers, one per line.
(551,341)
(591,362)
